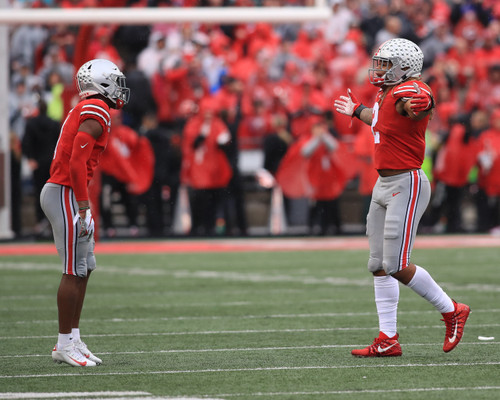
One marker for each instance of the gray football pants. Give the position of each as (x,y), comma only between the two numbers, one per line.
(59,205)
(397,205)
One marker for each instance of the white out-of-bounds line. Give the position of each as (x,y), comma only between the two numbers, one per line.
(258,369)
(57,395)
(366,391)
(244,331)
(249,349)
(238,317)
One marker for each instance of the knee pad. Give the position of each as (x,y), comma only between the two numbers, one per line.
(390,265)
(374,264)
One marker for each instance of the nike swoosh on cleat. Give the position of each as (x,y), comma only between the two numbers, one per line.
(82,363)
(454,337)
(383,350)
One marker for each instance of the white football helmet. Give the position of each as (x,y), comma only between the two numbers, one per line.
(395,61)
(102,77)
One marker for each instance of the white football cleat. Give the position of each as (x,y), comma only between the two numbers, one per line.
(82,347)
(70,355)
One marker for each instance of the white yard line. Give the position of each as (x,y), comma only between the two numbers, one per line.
(245,331)
(237,317)
(250,349)
(259,369)
(57,395)
(365,391)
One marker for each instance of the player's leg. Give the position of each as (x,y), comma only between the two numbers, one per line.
(386,288)
(58,205)
(407,208)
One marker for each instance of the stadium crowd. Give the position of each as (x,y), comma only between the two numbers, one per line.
(202,94)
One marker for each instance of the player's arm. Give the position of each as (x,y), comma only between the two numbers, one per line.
(88,132)
(414,102)
(349,105)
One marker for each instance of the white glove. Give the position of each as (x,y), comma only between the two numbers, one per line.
(347,104)
(86,224)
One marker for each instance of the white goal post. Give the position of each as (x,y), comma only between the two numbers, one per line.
(123,16)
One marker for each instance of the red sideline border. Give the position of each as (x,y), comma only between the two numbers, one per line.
(250,245)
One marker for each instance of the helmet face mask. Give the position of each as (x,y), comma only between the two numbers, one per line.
(395,61)
(102,77)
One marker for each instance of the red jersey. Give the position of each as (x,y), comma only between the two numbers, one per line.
(399,141)
(92,108)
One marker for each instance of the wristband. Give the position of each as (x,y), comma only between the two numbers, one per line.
(84,208)
(357,111)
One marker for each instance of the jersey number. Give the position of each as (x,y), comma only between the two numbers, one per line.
(376,134)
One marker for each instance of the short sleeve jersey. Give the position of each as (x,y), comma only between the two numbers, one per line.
(87,109)
(399,141)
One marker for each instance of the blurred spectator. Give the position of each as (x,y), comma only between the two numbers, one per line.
(160,199)
(489,176)
(485,94)
(437,42)
(487,54)
(24,41)
(38,144)
(15,183)
(53,96)
(307,101)
(127,166)
(337,26)
(54,61)
(276,144)
(102,47)
(275,147)
(392,29)
(229,102)
(149,60)
(22,105)
(454,162)
(373,21)
(310,169)
(205,166)
(141,101)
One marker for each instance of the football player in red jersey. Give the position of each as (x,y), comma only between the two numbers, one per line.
(398,119)
(65,200)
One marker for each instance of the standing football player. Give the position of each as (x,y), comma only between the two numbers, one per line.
(65,200)
(398,120)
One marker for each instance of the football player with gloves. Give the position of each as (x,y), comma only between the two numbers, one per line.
(65,199)
(398,119)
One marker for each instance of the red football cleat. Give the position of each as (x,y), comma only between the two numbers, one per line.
(455,322)
(383,346)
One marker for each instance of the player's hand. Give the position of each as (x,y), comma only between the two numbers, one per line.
(420,102)
(86,224)
(347,104)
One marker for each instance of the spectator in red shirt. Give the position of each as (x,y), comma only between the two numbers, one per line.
(489,175)
(205,166)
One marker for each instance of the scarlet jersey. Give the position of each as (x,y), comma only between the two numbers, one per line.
(92,108)
(399,141)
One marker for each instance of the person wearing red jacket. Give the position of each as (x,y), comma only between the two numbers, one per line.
(326,178)
(314,167)
(65,198)
(454,161)
(489,175)
(398,120)
(205,166)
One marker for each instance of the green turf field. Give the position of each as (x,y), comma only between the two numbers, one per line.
(277,325)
